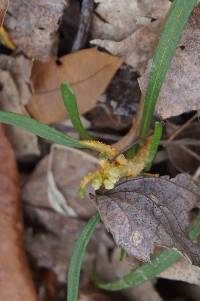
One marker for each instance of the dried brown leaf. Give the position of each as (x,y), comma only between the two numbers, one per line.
(32,26)
(109,268)
(93,296)
(119,19)
(128,30)
(15,278)
(52,243)
(3,8)
(147,211)
(182,271)
(14,94)
(55,182)
(180,92)
(88,71)
(186,141)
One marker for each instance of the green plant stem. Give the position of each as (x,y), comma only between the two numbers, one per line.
(77,258)
(70,103)
(148,271)
(154,145)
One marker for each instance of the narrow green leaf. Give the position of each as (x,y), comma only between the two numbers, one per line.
(154,145)
(69,99)
(39,129)
(77,258)
(174,26)
(150,270)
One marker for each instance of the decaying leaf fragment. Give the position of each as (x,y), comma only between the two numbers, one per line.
(15,277)
(180,92)
(146,211)
(182,270)
(3,8)
(14,94)
(130,28)
(32,25)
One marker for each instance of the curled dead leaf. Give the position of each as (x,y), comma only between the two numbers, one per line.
(146,211)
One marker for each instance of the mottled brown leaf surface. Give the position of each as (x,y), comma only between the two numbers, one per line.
(182,270)
(15,278)
(32,25)
(52,243)
(125,28)
(147,211)
(55,182)
(14,94)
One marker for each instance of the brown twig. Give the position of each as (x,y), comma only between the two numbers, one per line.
(131,138)
(84,25)
(190,152)
(181,128)
(185,141)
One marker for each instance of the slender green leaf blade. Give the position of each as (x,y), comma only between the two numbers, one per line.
(39,129)
(154,145)
(174,26)
(150,270)
(70,103)
(77,258)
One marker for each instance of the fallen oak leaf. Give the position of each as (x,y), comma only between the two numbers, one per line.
(88,72)
(146,211)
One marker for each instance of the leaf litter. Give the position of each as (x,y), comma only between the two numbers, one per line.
(88,71)
(14,95)
(51,204)
(180,92)
(147,211)
(128,30)
(55,182)
(32,26)
(15,277)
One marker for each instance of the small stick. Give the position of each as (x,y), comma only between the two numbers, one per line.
(84,25)
(183,127)
(190,152)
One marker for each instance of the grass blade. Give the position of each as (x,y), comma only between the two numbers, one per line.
(150,270)
(70,103)
(154,145)
(77,258)
(39,129)
(174,26)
